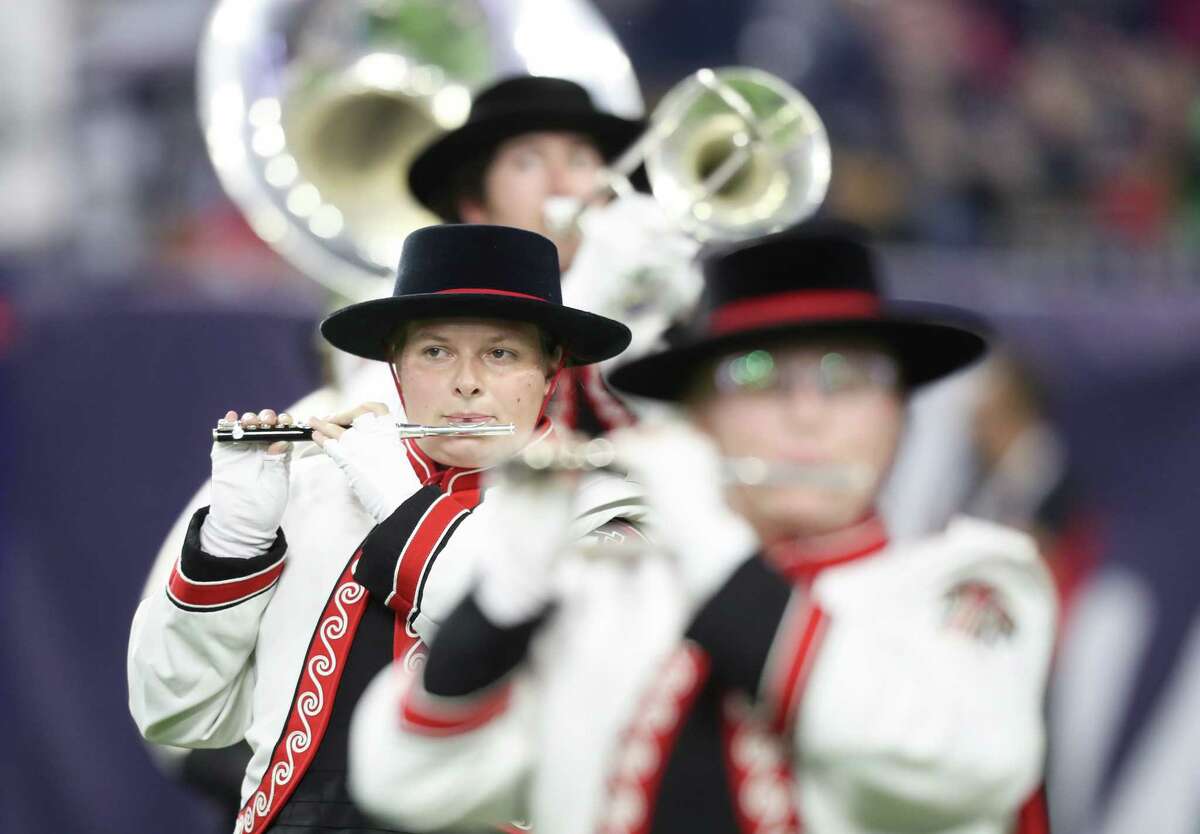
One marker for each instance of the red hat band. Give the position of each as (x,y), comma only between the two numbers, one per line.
(793,307)
(487,291)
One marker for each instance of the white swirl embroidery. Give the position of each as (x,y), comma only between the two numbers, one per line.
(309,702)
(414,657)
(646,743)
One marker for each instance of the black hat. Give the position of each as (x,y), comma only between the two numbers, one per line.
(817,279)
(456,271)
(516,105)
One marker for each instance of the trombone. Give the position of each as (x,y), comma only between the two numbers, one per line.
(730,153)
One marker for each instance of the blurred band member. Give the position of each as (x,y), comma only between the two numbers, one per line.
(770,662)
(303,579)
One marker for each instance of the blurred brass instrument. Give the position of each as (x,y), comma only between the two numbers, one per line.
(730,153)
(313,109)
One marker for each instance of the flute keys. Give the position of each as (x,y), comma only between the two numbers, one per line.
(597,453)
(539,457)
(749,471)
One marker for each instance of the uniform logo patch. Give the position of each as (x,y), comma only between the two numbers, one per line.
(606,535)
(978,610)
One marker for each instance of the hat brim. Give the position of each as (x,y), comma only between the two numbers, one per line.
(365,329)
(929,341)
(430,171)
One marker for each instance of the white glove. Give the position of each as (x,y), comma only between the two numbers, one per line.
(633,265)
(371,455)
(249,495)
(532,523)
(680,470)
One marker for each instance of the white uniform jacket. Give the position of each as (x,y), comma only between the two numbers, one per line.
(259,648)
(895,689)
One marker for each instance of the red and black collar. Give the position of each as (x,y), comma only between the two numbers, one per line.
(801,560)
(459,480)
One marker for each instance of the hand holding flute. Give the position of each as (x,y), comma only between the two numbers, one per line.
(267,427)
(250,487)
(365,443)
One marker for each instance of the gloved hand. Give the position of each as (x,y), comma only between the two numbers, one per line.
(680,471)
(249,494)
(532,518)
(371,455)
(633,265)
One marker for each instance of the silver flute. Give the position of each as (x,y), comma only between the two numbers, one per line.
(232,431)
(599,453)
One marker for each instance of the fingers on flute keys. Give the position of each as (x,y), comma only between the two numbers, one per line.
(346,418)
(267,418)
(324,430)
(263,419)
(334,426)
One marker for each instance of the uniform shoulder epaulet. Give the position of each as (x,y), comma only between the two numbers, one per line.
(997,539)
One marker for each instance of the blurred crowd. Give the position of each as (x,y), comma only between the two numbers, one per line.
(1005,121)
(964,122)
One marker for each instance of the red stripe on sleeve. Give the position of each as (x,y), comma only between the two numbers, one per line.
(791,660)
(195,594)
(421,714)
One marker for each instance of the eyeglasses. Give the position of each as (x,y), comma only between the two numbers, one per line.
(835,373)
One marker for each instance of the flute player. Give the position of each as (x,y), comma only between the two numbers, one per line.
(305,577)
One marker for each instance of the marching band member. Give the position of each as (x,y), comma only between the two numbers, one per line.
(767,661)
(305,577)
(530,140)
